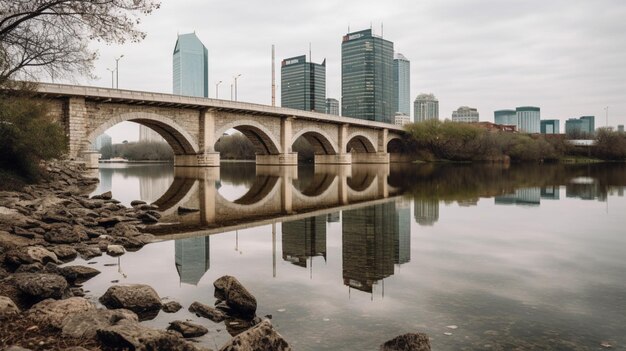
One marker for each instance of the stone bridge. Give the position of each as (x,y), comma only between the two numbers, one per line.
(192,126)
(273,193)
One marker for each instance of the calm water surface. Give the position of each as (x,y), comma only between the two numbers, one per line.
(532,257)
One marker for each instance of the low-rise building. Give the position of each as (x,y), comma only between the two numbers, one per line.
(550,126)
(465,114)
(582,125)
(401,119)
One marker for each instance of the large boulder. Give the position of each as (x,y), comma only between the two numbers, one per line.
(206,311)
(78,274)
(134,336)
(260,337)
(188,329)
(7,308)
(28,255)
(53,312)
(64,252)
(241,302)
(84,325)
(66,235)
(407,342)
(9,241)
(171,307)
(40,286)
(139,298)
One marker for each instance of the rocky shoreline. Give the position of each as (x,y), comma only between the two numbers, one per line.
(44,227)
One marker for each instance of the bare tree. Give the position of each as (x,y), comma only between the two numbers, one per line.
(52,36)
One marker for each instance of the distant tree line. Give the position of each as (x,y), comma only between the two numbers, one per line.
(237,147)
(138,151)
(446,140)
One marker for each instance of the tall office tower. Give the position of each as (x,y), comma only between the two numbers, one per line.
(582,125)
(147,134)
(191,66)
(465,114)
(425,107)
(402,83)
(303,84)
(620,128)
(521,196)
(367,77)
(505,117)
(332,106)
(402,249)
(426,212)
(192,257)
(528,119)
(303,239)
(550,126)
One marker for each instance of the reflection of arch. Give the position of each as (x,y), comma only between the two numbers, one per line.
(319,139)
(178,193)
(261,187)
(360,143)
(396,145)
(361,181)
(176,136)
(263,140)
(320,183)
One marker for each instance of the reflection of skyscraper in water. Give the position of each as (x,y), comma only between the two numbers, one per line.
(550,192)
(106,180)
(152,188)
(522,196)
(426,211)
(304,238)
(192,257)
(368,245)
(402,249)
(586,189)
(333,217)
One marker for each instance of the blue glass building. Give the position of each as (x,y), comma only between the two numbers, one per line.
(191,66)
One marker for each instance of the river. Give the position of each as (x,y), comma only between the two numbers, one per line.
(344,258)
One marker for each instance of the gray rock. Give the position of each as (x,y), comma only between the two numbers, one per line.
(7,308)
(78,274)
(147,218)
(17,348)
(139,298)
(182,209)
(54,312)
(66,235)
(64,252)
(124,230)
(29,254)
(24,233)
(188,329)
(260,337)
(29,268)
(9,241)
(110,221)
(171,307)
(89,251)
(137,203)
(407,342)
(206,311)
(85,324)
(236,326)
(115,250)
(104,196)
(41,285)
(134,336)
(241,302)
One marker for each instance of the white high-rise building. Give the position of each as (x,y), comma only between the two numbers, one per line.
(425,107)
(401,119)
(147,134)
(101,141)
(465,114)
(402,83)
(528,119)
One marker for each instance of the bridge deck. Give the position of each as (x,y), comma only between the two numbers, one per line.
(170,100)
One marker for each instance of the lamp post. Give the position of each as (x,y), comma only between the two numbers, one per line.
(117,71)
(607,116)
(216,89)
(112,71)
(235,78)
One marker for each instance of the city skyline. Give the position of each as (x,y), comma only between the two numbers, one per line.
(565,80)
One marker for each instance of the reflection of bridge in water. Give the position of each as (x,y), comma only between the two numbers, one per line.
(274,192)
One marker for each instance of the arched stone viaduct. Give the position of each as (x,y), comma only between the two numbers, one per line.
(192,126)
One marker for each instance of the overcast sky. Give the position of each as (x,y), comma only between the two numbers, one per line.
(566,56)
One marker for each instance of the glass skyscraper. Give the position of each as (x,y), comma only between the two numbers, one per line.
(367,77)
(332,106)
(402,83)
(528,119)
(303,84)
(191,66)
(505,117)
(425,106)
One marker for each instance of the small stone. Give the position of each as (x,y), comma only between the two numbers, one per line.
(407,342)
(452,326)
(7,307)
(188,329)
(78,274)
(206,311)
(447,333)
(261,334)
(606,344)
(139,298)
(137,203)
(171,307)
(115,250)
(281,310)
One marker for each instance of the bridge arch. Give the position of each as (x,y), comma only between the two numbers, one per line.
(181,142)
(319,140)
(264,141)
(361,143)
(396,144)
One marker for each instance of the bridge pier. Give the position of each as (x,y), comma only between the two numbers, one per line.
(377,157)
(208,159)
(91,159)
(339,159)
(288,159)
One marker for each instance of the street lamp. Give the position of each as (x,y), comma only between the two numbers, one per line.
(216,89)
(112,71)
(235,78)
(607,116)
(117,70)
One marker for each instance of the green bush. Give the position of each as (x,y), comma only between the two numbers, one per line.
(610,145)
(27,136)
